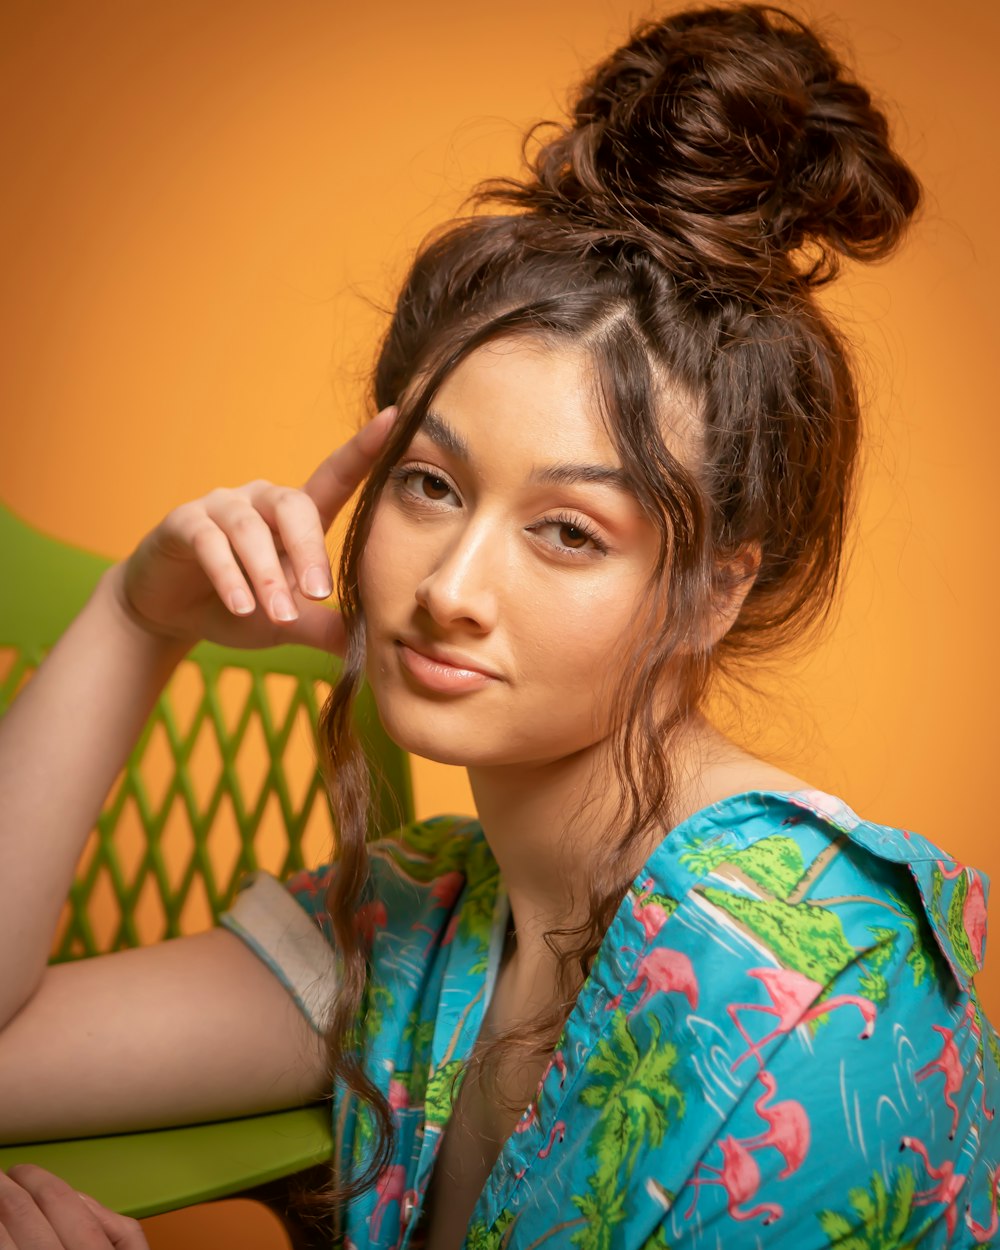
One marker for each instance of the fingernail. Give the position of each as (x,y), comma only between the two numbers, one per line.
(241,602)
(283,608)
(317,583)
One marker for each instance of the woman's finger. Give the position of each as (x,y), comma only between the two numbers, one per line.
(253,541)
(122,1231)
(41,1211)
(337,478)
(21,1222)
(294,516)
(318,627)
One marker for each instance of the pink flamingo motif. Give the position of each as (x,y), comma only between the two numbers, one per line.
(946,1190)
(739,1176)
(791,993)
(558,1130)
(528,1117)
(303,882)
(985,1232)
(973,909)
(399,1095)
(390,1187)
(949,1064)
(368,918)
(661,971)
(557,1061)
(788,1128)
(651,916)
(444,890)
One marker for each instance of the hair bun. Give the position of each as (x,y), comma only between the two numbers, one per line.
(723,141)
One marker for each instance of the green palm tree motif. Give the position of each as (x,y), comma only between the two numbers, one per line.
(480,896)
(880,1215)
(872,982)
(664,901)
(802,936)
(423,851)
(442,1090)
(420,1035)
(955,927)
(481,1236)
(377,998)
(638,1097)
(773,863)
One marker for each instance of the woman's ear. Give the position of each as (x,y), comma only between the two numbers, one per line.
(734,579)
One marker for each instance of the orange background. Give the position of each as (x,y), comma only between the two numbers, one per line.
(206,202)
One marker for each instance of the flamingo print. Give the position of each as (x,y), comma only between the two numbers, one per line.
(949,1064)
(651,916)
(787,1126)
(399,1095)
(973,909)
(390,1187)
(791,993)
(661,971)
(984,1232)
(529,1116)
(558,1061)
(739,1176)
(443,893)
(558,1130)
(368,918)
(946,1190)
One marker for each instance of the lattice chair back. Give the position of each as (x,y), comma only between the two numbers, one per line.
(222,780)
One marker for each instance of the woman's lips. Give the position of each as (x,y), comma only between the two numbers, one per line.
(438,675)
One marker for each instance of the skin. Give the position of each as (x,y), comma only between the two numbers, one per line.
(475,557)
(481,558)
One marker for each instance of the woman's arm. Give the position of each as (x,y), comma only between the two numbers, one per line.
(194,1029)
(62,744)
(228,568)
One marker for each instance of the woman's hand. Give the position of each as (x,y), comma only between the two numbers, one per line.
(38,1211)
(244,567)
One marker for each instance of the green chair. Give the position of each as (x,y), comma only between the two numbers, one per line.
(244,723)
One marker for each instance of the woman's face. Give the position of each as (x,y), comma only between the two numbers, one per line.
(506,565)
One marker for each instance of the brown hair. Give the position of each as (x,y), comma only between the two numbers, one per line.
(714,171)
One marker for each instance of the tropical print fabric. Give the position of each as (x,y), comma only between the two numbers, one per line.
(778,1045)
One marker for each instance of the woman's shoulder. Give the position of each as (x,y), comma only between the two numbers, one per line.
(802,844)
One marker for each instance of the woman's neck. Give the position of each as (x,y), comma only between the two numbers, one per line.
(546,867)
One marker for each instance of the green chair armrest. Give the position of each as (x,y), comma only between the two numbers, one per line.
(160,1170)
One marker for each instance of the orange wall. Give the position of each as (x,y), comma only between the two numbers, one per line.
(202,202)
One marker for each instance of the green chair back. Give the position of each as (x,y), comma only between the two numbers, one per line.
(222,781)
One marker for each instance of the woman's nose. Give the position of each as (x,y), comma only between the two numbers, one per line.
(461,587)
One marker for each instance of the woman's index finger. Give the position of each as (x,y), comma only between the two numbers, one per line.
(335,479)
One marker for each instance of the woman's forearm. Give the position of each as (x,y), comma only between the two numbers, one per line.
(62,744)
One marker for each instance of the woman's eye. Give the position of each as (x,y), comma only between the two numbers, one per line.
(421,484)
(569,537)
(433,487)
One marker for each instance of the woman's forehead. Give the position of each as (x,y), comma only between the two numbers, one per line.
(553,395)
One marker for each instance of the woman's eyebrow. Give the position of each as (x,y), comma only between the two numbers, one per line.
(563,474)
(440,432)
(569,474)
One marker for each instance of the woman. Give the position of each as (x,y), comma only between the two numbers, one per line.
(660,993)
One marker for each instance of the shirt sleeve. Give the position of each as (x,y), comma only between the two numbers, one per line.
(871,1122)
(286,926)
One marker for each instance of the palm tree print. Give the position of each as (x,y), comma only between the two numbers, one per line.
(880,1216)
(634,1087)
